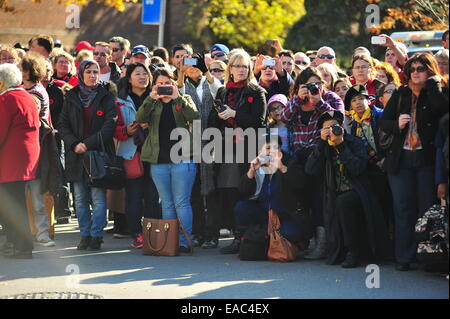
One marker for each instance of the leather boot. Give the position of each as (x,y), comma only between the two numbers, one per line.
(84,242)
(96,243)
(233,248)
(320,250)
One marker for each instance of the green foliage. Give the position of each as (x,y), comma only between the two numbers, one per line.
(242,23)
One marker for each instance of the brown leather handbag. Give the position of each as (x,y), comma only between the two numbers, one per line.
(161,237)
(280,249)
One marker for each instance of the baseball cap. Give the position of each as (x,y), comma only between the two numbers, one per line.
(355,90)
(280,98)
(84,45)
(220,47)
(140,49)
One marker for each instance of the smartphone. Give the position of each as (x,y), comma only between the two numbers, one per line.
(270,42)
(265,159)
(190,61)
(378,40)
(165,90)
(269,62)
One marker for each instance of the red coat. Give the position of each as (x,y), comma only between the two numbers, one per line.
(19,136)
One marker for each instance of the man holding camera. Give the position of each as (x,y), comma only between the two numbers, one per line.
(354,222)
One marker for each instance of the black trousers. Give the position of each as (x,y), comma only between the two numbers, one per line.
(350,213)
(14,215)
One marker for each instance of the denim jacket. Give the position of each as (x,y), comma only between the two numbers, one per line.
(127,148)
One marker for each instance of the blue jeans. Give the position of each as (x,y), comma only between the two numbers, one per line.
(174,183)
(90,224)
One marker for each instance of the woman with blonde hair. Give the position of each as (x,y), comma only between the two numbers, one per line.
(64,68)
(9,55)
(244,106)
(329,74)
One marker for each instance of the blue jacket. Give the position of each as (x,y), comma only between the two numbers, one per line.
(126,149)
(375,124)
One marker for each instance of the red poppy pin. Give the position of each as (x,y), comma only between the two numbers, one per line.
(100,113)
(250,99)
(177,108)
(51,101)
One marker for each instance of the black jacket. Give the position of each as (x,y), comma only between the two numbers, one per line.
(289,188)
(71,128)
(49,169)
(354,157)
(250,113)
(431,106)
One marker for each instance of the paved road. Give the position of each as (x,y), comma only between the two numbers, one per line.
(121,272)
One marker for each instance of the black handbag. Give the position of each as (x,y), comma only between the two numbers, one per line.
(384,139)
(104,170)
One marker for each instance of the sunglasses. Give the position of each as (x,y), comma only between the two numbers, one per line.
(102,54)
(326,56)
(389,91)
(218,54)
(275,108)
(268,67)
(419,69)
(301,62)
(217,70)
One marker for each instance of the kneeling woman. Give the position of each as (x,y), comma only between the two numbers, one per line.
(272,183)
(173,177)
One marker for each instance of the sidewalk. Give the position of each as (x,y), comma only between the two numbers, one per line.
(118,271)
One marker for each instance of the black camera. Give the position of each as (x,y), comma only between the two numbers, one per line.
(165,90)
(218,105)
(337,130)
(312,87)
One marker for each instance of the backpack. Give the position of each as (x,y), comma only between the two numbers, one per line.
(254,243)
(432,235)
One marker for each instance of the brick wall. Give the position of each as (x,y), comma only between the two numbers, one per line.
(97,23)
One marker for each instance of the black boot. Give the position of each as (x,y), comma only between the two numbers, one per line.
(233,248)
(350,261)
(84,242)
(96,243)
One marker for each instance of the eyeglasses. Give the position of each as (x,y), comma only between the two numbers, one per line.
(102,54)
(237,66)
(326,56)
(301,62)
(218,55)
(361,67)
(389,91)
(419,69)
(216,70)
(63,62)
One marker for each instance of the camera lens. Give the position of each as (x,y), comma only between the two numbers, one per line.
(314,89)
(337,130)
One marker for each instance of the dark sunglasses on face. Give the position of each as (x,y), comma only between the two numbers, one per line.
(275,108)
(301,62)
(217,70)
(102,54)
(326,56)
(218,55)
(268,67)
(419,69)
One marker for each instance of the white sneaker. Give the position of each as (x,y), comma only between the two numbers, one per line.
(45,242)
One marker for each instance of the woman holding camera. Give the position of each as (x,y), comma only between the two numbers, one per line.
(244,107)
(412,116)
(164,112)
(355,227)
(88,112)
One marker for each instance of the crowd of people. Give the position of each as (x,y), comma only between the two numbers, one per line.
(355,151)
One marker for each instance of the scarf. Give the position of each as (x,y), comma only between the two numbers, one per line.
(234,90)
(366,117)
(87,93)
